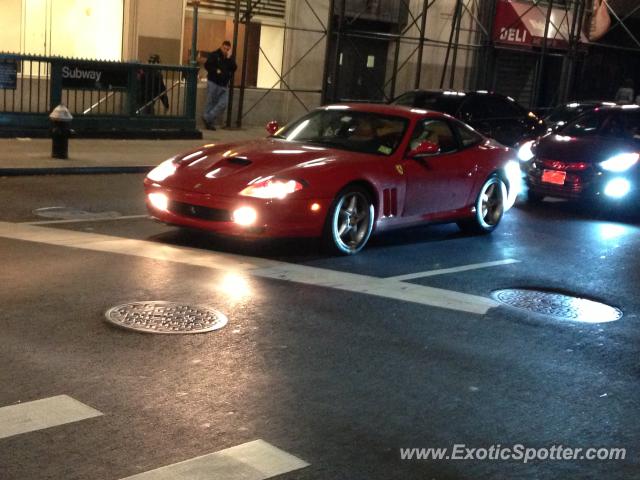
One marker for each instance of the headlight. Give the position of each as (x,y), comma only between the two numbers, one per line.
(159,201)
(525,152)
(271,188)
(514,176)
(620,163)
(162,171)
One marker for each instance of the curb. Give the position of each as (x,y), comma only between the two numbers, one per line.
(22,172)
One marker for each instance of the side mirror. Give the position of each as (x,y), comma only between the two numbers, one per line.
(272,127)
(423,149)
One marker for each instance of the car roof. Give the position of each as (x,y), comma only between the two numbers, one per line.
(454,93)
(386,109)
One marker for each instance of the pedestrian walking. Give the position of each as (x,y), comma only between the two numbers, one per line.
(151,88)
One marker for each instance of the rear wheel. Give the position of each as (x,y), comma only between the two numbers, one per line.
(349,221)
(489,207)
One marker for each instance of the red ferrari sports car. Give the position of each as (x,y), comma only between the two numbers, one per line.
(341,172)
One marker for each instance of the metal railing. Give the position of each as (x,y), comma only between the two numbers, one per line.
(100,95)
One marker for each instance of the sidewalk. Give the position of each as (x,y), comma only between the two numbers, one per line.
(33,156)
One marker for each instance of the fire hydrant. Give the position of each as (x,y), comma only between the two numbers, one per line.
(60,131)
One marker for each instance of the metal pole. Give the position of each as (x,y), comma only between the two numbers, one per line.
(336,63)
(454,60)
(236,21)
(327,56)
(446,58)
(245,58)
(396,54)
(580,11)
(489,63)
(543,54)
(423,26)
(567,67)
(194,35)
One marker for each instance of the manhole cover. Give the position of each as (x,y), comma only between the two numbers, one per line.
(69,213)
(558,305)
(166,317)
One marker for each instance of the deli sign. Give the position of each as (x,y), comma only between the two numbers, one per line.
(94,76)
(514,35)
(524,24)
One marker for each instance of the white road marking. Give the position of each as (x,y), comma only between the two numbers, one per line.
(40,414)
(443,271)
(257,460)
(381,287)
(87,219)
(252,265)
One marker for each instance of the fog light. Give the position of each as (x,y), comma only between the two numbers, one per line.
(617,188)
(159,201)
(245,216)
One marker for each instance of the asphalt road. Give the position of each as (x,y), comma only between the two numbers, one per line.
(340,366)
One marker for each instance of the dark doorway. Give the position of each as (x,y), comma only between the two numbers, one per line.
(362,66)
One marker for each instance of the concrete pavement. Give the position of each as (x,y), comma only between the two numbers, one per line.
(26,156)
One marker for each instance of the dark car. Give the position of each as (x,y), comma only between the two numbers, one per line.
(565,113)
(494,115)
(594,157)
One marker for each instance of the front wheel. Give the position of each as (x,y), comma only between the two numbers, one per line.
(489,207)
(349,221)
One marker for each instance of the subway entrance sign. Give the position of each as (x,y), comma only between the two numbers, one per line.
(85,75)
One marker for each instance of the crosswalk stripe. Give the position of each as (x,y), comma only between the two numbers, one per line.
(45,413)
(256,460)
(381,287)
(462,268)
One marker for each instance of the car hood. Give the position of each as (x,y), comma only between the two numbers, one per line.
(581,149)
(227,169)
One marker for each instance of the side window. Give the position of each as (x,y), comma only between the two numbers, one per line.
(407,99)
(502,108)
(468,137)
(434,131)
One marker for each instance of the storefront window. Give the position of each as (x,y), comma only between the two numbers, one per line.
(69,28)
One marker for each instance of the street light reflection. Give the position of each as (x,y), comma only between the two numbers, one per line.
(610,231)
(235,286)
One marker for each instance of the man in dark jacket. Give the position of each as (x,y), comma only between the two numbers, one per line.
(151,87)
(220,68)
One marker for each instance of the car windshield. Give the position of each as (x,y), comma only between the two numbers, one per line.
(564,113)
(619,124)
(346,129)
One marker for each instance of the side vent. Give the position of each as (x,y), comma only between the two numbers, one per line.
(389,202)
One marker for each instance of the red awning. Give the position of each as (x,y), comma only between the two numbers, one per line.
(523,24)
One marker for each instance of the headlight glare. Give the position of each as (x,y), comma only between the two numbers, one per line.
(525,152)
(270,188)
(621,162)
(163,171)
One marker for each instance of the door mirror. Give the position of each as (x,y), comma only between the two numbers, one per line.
(424,149)
(272,127)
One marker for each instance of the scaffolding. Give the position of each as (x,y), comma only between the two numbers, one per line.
(540,52)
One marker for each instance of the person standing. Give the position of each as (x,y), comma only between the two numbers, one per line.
(625,94)
(220,67)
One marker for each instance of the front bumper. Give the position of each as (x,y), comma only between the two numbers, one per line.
(275,218)
(588,184)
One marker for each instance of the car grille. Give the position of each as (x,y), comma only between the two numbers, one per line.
(580,177)
(200,212)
